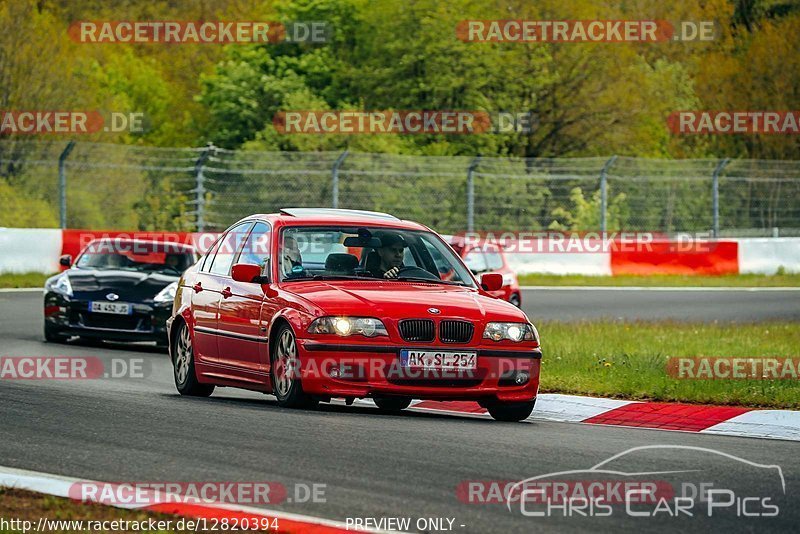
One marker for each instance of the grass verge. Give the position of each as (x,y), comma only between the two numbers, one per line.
(628,360)
(735,280)
(10,280)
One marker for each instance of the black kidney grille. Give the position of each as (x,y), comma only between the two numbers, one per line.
(456,331)
(417,330)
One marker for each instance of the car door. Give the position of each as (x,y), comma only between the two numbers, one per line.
(243,330)
(207,291)
(205,308)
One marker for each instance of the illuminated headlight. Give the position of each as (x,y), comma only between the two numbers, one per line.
(348,326)
(510,331)
(167,294)
(61,285)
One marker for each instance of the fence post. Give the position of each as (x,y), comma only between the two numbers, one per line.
(62,183)
(335,176)
(200,188)
(715,196)
(604,193)
(471,193)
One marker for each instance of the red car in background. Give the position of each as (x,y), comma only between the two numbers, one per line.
(489,258)
(315,304)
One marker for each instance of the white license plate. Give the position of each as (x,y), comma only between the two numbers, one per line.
(116,308)
(436,359)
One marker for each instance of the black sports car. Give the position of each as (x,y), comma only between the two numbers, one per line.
(120,290)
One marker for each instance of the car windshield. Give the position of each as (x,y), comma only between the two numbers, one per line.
(339,252)
(145,257)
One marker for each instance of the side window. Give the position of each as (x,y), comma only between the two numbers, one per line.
(228,247)
(493,259)
(256,248)
(476,261)
(209,257)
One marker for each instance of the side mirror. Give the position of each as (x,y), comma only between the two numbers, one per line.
(492,281)
(249,273)
(65,260)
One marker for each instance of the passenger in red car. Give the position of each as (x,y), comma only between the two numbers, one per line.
(390,256)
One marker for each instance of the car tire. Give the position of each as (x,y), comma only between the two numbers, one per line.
(183,366)
(510,412)
(515,300)
(284,370)
(392,404)
(52,335)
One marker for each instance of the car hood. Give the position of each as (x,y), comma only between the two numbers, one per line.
(129,285)
(403,300)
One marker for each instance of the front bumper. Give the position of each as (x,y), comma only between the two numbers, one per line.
(71,316)
(364,370)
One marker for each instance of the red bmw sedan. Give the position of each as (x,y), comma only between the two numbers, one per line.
(315,304)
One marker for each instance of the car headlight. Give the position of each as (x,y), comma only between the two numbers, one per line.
(509,279)
(61,285)
(348,326)
(510,331)
(167,294)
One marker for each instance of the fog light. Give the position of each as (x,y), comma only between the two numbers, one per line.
(522,378)
(334,372)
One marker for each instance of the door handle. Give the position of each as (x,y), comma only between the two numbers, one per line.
(226,292)
(198,287)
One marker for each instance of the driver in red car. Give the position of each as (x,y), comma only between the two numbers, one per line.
(390,255)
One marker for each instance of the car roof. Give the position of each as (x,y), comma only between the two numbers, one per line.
(127,240)
(344,217)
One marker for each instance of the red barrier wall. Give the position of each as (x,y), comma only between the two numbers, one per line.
(667,257)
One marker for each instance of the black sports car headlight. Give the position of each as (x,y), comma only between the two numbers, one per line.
(60,285)
(348,326)
(167,294)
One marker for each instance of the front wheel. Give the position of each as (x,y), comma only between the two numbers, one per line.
(515,300)
(285,372)
(511,412)
(392,404)
(52,335)
(183,366)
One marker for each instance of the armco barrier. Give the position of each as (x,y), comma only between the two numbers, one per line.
(29,250)
(38,250)
(767,255)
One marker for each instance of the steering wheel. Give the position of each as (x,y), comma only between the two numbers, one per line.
(416,272)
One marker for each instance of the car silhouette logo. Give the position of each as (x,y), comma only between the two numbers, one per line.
(112,296)
(435,311)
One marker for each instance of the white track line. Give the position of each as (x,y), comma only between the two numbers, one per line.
(21,289)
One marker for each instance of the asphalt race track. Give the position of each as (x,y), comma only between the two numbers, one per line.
(140,429)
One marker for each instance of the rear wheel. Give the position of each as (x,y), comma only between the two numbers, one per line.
(285,372)
(183,365)
(392,404)
(52,335)
(511,412)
